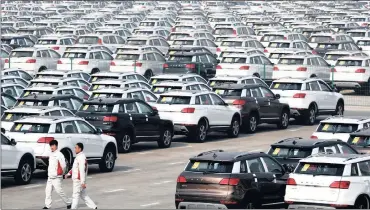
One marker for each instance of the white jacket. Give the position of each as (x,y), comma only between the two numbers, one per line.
(57,164)
(79,168)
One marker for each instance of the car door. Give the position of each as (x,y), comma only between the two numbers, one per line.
(273,103)
(315,91)
(325,69)
(9,155)
(223,113)
(329,96)
(263,102)
(138,119)
(160,60)
(153,121)
(91,140)
(107,58)
(67,131)
(267,68)
(54,58)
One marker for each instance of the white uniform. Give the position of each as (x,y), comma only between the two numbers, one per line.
(79,173)
(55,176)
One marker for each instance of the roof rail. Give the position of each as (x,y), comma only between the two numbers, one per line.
(292,138)
(334,116)
(321,153)
(359,130)
(243,154)
(209,152)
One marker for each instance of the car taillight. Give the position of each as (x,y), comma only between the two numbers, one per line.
(6,60)
(218,49)
(83,63)
(299,95)
(190,66)
(55,48)
(165,65)
(60,62)
(85,87)
(112,63)
(31,61)
(302,69)
(230,181)
(234,32)
(360,71)
(340,184)
(333,70)
(314,52)
(244,68)
(239,103)
(188,110)
(181,179)
(110,119)
(313,137)
(100,41)
(291,181)
(265,50)
(86,97)
(137,64)
(45,140)
(364,24)
(285,38)
(218,67)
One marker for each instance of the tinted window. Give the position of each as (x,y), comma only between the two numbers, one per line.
(30,128)
(97,108)
(337,128)
(279,152)
(321,169)
(210,166)
(174,100)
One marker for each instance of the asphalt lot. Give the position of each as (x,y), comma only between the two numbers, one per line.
(146,177)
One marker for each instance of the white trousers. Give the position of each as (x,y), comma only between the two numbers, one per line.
(56,184)
(78,193)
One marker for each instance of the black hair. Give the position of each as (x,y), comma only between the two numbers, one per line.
(80,145)
(53,142)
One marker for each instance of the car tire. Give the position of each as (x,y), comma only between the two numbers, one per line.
(165,138)
(24,173)
(148,74)
(362,203)
(68,157)
(251,123)
(251,205)
(93,71)
(234,128)
(126,143)
(108,160)
(284,119)
(339,110)
(200,133)
(310,117)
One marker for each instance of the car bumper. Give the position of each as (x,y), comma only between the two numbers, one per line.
(42,162)
(196,205)
(182,129)
(344,84)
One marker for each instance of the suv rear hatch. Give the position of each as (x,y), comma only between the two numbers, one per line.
(99,115)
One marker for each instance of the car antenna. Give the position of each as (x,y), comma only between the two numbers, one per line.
(214,155)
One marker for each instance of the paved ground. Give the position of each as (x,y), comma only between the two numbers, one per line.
(146,178)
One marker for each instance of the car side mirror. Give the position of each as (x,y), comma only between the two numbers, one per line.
(277,96)
(99,131)
(13,142)
(360,48)
(155,112)
(218,61)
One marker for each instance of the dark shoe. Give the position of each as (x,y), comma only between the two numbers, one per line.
(45,207)
(69,207)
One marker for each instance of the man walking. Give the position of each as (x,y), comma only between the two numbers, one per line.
(56,169)
(79,173)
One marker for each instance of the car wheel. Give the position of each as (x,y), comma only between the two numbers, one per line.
(148,74)
(23,175)
(339,110)
(234,128)
(68,158)
(108,160)
(165,139)
(250,205)
(362,203)
(310,117)
(126,143)
(200,133)
(95,71)
(284,120)
(251,124)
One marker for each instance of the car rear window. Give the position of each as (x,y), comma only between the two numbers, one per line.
(278,45)
(127,57)
(281,152)
(136,42)
(30,128)
(220,82)
(349,63)
(233,60)
(76,48)
(44,41)
(183,42)
(154,81)
(336,25)
(362,141)
(144,33)
(356,34)
(291,61)
(286,86)
(228,92)
(223,31)
(210,166)
(337,128)
(174,100)
(177,36)
(268,38)
(97,108)
(333,57)
(181,58)
(320,169)
(278,55)
(162,89)
(11,117)
(25,31)
(327,46)
(231,44)
(106,95)
(363,43)
(88,40)
(179,28)
(74,55)
(220,39)
(21,54)
(316,39)
(36,92)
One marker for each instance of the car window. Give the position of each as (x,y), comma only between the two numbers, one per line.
(272,166)
(149,97)
(314,86)
(205,99)
(144,109)
(255,165)
(346,149)
(69,127)
(256,60)
(217,100)
(85,128)
(324,87)
(55,113)
(131,108)
(267,93)
(67,113)
(112,40)
(203,58)
(136,95)
(256,92)
(4,140)
(364,168)
(54,54)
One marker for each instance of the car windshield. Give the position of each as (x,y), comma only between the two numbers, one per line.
(363,43)
(147,24)
(21,54)
(144,33)
(220,82)
(333,57)
(74,55)
(320,169)
(228,92)
(25,31)
(316,39)
(281,152)
(291,61)
(130,57)
(30,128)
(286,86)
(223,31)
(31,103)
(174,100)
(327,46)
(278,45)
(210,166)
(44,41)
(162,89)
(231,44)
(277,55)
(88,40)
(337,128)
(349,63)
(183,42)
(336,25)
(177,36)
(11,117)
(268,38)
(357,34)
(107,95)
(96,108)
(136,42)
(76,48)
(180,58)
(233,60)
(180,28)
(362,141)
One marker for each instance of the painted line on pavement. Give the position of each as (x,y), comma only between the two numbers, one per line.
(33,186)
(116,190)
(89,177)
(294,130)
(144,153)
(176,163)
(150,204)
(255,150)
(131,170)
(164,182)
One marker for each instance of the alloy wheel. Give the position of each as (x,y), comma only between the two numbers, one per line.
(236,127)
(253,123)
(26,172)
(109,160)
(167,137)
(126,142)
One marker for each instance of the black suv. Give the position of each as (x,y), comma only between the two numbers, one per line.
(289,151)
(218,179)
(257,104)
(174,50)
(200,63)
(128,120)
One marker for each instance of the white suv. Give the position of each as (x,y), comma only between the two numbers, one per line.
(195,113)
(37,132)
(17,160)
(330,181)
(308,98)
(338,127)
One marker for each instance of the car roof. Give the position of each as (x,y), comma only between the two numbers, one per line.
(33,109)
(299,142)
(336,158)
(342,119)
(46,119)
(110,101)
(47,97)
(238,86)
(222,156)
(354,58)
(174,76)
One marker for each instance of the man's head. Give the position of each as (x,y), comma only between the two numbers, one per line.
(53,145)
(79,148)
